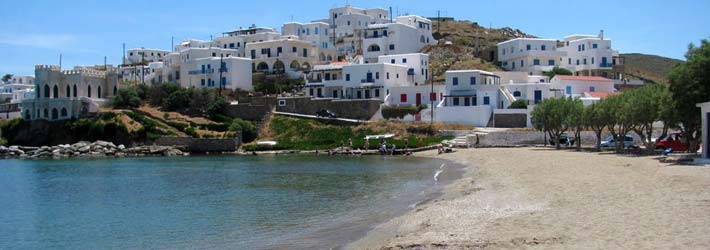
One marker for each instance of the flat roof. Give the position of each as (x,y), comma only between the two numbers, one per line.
(529,39)
(584,78)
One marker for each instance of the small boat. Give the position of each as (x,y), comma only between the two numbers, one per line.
(266,143)
(377,137)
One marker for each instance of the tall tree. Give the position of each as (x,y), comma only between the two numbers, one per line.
(689,85)
(574,110)
(597,117)
(644,109)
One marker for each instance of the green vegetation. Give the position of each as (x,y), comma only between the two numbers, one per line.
(126,98)
(689,85)
(401,112)
(556,116)
(649,67)
(558,71)
(247,129)
(519,104)
(454,57)
(277,85)
(305,134)
(6,77)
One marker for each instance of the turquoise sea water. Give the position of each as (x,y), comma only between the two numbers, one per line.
(216,202)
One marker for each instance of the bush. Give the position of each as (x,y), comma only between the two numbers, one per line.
(178,100)
(519,104)
(191,132)
(248,129)
(216,108)
(558,71)
(399,112)
(126,98)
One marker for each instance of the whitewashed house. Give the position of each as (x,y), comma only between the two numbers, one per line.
(357,81)
(17,88)
(199,67)
(418,64)
(522,86)
(144,56)
(238,39)
(589,89)
(531,55)
(589,55)
(409,34)
(287,55)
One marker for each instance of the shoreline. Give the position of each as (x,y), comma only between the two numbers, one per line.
(549,199)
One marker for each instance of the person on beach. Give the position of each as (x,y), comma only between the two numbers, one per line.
(406,147)
(394,148)
(351,149)
(367,144)
(383,148)
(421,143)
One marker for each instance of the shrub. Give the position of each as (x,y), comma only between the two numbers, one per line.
(126,98)
(216,108)
(519,104)
(248,129)
(191,132)
(399,112)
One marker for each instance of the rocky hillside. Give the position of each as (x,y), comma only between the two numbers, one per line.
(649,67)
(468,45)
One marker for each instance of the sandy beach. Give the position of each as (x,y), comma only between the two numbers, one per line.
(536,198)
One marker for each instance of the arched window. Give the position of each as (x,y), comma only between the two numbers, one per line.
(64,112)
(373,48)
(55,92)
(115,90)
(88,91)
(279,67)
(27,115)
(46,91)
(46,113)
(306,66)
(98,92)
(67,91)
(37,91)
(262,67)
(516,93)
(422,39)
(55,114)
(295,65)
(75,94)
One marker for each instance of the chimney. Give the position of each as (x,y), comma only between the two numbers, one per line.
(601,34)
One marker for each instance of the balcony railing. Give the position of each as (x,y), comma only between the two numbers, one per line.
(206,71)
(606,65)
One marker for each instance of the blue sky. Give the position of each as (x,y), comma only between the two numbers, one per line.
(36,32)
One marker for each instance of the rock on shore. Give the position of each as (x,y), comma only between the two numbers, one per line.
(87,150)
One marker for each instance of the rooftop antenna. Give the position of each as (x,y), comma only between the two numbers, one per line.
(172,43)
(124,54)
(391,14)
(60,61)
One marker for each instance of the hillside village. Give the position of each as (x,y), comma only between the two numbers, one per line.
(358,63)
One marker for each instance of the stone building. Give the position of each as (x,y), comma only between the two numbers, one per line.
(69,94)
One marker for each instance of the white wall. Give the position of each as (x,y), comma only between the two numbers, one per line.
(417,61)
(579,86)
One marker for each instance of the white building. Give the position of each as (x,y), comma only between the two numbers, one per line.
(69,94)
(205,73)
(577,86)
(317,33)
(144,56)
(582,54)
(357,81)
(238,39)
(705,113)
(409,34)
(530,55)
(17,88)
(522,86)
(287,55)
(417,64)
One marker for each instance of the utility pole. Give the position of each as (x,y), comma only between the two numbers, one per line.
(438,22)
(60,61)
(172,43)
(124,54)
(221,68)
(143,67)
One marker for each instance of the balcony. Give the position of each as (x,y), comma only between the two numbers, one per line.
(606,65)
(206,71)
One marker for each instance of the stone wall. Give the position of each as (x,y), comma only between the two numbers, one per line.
(251,108)
(351,109)
(528,138)
(200,145)
(510,120)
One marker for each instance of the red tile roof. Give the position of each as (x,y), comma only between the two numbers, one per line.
(584,78)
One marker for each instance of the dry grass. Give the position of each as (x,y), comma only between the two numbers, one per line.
(173,116)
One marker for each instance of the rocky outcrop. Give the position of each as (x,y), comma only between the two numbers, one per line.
(87,150)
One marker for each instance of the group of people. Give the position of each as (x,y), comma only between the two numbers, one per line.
(383,149)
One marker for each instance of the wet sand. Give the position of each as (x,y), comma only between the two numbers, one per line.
(535,198)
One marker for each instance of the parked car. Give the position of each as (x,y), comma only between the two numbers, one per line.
(610,143)
(326,113)
(563,140)
(674,141)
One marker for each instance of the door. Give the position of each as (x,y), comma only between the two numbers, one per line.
(538,96)
(466,101)
(320,92)
(369,77)
(604,61)
(419,99)
(335,94)
(367,94)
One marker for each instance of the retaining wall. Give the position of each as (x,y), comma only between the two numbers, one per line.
(200,145)
(350,109)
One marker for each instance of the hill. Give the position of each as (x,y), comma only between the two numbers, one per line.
(468,45)
(649,67)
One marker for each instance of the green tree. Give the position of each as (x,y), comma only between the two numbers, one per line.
(597,117)
(549,116)
(178,100)
(6,77)
(645,108)
(519,104)
(216,109)
(558,71)
(574,110)
(126,98)
(689,85)
(246,128)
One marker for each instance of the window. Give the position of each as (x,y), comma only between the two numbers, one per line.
(592,89)
(456,101)
(543,47)
(388,75)
(391,46)
(347,77)
(592,60)
(577,61)
(585,61)
(305,52)
(516,94)
(279,50)
(522,63)
(551,62)
(594,46)
(568,90)
(536,62)
(294,50)
(202,82)
(528,47)
(456,81)
(308,31)
(513,65)
(403,98)
(570,61)
(315,30)
(473,80)
(486,100)
(393,61)
(377,92)
(231,45)
(214,54)
(282,102)
(377,75)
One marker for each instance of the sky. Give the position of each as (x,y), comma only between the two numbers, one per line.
(84,32)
